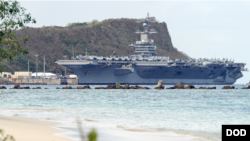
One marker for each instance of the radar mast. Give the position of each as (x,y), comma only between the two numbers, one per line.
(145,47)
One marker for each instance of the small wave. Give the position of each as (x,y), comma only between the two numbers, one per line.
(135,130)
(208,136)
(32,105)
(89,120)
(200,135)
(197,135)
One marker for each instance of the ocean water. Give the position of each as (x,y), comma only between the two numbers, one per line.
(186,112)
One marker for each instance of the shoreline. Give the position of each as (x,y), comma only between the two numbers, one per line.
(24,129)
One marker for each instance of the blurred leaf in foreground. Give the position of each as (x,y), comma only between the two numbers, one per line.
(92,135)
(7,137)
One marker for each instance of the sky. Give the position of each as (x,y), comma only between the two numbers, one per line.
(201,29)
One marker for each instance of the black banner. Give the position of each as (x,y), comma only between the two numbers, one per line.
(235,132)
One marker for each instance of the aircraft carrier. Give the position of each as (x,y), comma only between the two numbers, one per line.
(145,68)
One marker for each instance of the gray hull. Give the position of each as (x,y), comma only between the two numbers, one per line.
(150,75)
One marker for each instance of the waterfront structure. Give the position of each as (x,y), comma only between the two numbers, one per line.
(17,74)
(146,68)
(6,74)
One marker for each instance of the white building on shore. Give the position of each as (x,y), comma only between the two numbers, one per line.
(42,74)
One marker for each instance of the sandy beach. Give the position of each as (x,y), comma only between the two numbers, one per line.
(23,129)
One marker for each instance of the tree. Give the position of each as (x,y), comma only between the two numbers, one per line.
(13,17)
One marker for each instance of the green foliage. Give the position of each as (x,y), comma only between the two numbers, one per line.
(83,42)
(65,38)
(48,35)
(21,64)
(7,137)
(1,69)
(12,17)
(92,135)
(23,61)
(66,51)
(69,41)
(117,84)
(101,24)
(94,21)
(77,24)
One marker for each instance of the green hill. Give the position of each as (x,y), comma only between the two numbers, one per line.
(100,38)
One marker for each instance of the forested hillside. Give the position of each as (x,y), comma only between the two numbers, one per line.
(100,38)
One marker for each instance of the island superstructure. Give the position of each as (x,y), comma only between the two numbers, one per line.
(144,67)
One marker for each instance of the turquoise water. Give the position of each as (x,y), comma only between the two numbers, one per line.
(195,112)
